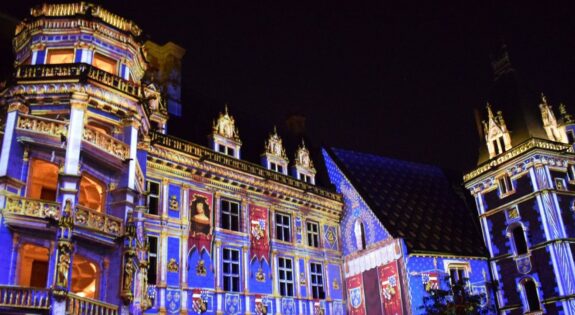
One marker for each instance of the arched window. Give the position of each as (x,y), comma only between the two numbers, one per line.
(91,193)
(43,180)
(85,276)
(33,266)
(518,235)
(531,297)
(359,235)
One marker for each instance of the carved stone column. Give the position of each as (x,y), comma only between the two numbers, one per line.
(63,260)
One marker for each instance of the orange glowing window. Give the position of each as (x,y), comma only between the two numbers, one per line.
(57,56)
(33,266)
(91,193)
(85,277)
(105,63)
(43,180)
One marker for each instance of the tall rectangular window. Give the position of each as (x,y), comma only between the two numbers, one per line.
(230,215)
(505,185)
(285,276)
(153,197)
(316,277)
(312,234)
(153,259)
(283,227)
(231,274)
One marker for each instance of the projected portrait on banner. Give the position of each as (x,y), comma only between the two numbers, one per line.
(200,216)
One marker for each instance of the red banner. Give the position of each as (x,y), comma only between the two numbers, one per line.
(200,221)
(260,245)
(390,288)
(355,297)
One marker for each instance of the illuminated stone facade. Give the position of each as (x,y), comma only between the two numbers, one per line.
(105,213)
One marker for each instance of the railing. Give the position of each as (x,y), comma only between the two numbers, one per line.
(77,305)
(32,207)
(212,156)
(79,71)
(106,142)
(42,125)
(24,298)
(94,220)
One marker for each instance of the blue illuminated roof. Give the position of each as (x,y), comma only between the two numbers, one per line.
(415,202)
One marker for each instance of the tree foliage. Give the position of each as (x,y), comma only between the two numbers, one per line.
(454,299)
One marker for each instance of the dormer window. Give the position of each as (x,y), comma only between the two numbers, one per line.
(570,136)
(505,185)
(303,168)
(225,136)
(276,167)
(498,145)
(305,178)
(497,136)
(226,150)
(274,156)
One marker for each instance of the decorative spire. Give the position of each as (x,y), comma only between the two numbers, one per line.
(302,157)
(489,111)
(274,146)
(225,126)
(567,118)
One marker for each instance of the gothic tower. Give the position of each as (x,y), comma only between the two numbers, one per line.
(523,187)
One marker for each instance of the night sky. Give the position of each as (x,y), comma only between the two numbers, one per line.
(399,80)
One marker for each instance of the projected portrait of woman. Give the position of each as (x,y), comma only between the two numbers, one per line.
(200,216)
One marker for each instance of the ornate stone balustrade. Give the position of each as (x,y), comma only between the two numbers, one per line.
(77,72)
(255,169)
(77,305)
(42,125)
(24,298)
(106,142)
(97,221)
(32,207)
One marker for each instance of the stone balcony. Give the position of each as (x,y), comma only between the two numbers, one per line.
(54,129)
(26,212)
(18,299)
(76,72)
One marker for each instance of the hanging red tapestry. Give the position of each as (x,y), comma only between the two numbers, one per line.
(260,246)
(200,235)
(355,295)
(390,288)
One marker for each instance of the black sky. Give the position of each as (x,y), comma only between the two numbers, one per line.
(399,80)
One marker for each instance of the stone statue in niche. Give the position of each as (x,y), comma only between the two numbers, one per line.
(63,268)
(128,276)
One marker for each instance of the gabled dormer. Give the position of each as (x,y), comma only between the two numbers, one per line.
(554,131)
(274,156)
(303,168)
(496,133)
(225,137)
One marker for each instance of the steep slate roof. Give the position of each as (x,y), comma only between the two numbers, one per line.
(415,202)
